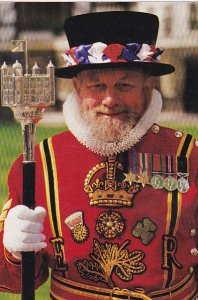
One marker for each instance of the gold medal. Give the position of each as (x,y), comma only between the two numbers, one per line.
(170,183)
(157,182)
(143,179)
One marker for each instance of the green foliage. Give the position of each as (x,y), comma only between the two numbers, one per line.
(41,294)
(191,129)
(11,146)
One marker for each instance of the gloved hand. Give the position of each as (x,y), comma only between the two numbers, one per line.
(23,230)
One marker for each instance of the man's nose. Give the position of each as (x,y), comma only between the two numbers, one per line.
(110,99)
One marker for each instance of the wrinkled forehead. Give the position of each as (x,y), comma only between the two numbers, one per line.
(122,73)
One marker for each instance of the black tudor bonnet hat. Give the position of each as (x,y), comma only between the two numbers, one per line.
(112,39)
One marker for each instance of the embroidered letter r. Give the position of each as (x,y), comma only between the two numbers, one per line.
(169,252)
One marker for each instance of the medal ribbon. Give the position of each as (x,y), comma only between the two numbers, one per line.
(134,163)
(156,164)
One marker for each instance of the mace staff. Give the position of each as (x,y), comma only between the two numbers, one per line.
(28,95)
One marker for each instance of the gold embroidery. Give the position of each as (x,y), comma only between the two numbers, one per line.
(58,247)
(80,233)
(79,230)
(110,224)
(109,191)
(111,258)
(4,213)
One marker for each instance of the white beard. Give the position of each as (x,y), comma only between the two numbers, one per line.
(101,139)
(108,130)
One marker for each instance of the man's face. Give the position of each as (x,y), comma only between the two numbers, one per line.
(113,100)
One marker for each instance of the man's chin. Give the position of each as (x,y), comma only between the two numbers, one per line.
(108,128)
(109,134)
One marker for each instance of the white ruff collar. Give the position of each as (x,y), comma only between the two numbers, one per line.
(75,123)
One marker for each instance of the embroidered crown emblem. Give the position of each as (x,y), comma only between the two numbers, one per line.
(106,185)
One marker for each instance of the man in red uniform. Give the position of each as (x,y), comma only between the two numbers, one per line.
(117,194)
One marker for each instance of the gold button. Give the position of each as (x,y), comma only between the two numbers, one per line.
(155,128)
(178,134)
(193,232)
(194,251)
(191,270)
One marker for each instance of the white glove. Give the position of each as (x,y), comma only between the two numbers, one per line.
(23,230)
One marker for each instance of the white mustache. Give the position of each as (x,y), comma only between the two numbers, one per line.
(111,111)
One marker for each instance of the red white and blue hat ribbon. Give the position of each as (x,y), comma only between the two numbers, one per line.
(97,53)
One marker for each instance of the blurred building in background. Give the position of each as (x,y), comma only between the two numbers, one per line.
(178,34)
(41,23)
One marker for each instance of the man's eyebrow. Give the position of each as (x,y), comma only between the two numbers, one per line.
(92,78)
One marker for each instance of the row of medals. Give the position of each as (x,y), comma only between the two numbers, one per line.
(170,183)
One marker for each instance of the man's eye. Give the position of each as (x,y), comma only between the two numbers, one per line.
(97,87)
(123,86)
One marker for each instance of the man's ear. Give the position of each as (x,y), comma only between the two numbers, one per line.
(149,85)
(76,85)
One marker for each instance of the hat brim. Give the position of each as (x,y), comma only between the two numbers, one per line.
(154,68)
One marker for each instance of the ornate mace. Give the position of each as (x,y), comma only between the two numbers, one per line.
(28,95)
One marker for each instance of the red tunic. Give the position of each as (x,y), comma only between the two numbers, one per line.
(147,244)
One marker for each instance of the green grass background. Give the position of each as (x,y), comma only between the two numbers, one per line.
(11,146)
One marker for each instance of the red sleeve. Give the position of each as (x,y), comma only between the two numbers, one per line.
(10,268)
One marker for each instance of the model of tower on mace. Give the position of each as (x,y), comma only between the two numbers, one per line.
(28,95)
